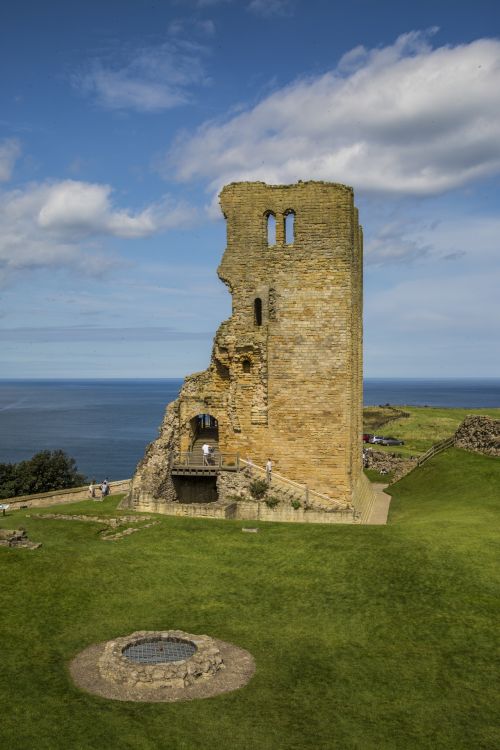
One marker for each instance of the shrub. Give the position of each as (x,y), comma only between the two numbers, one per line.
(296,504)
(272,502)
(258,488)
(46,471)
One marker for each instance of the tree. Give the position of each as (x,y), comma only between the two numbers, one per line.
(46,471)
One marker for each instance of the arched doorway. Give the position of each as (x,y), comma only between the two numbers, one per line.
(205,432)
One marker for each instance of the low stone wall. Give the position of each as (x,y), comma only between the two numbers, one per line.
(218,509)
(248,511)
(61,497)
(260,512)
(479,434)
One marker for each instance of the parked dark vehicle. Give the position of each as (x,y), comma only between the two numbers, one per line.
(367,437)
(391,441)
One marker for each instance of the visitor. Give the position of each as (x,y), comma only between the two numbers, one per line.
(104,488)
(269,470)
(206,453)
(92,489)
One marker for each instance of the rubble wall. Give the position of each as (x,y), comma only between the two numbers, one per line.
(479,434)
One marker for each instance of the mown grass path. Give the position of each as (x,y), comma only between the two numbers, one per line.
(364,637)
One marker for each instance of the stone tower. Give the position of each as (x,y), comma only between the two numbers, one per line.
(285,377)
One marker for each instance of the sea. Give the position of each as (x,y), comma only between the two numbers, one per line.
(105,425)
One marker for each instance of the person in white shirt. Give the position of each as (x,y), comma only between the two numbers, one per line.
(206,453)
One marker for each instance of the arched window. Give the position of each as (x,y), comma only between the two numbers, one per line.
(257,311)
(246,365)
(289,227)
(271,228)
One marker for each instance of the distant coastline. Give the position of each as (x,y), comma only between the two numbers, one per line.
(105,424)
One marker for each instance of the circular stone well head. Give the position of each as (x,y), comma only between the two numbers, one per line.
(159,650)
(169,659)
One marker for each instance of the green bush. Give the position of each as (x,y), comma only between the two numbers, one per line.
(258,488)
(296,504)
(271,502)
(46,471)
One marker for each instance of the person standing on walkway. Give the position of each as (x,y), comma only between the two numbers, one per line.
(206,453)
(269,470)
(92,489)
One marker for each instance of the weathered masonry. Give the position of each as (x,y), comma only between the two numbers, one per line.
(285,377)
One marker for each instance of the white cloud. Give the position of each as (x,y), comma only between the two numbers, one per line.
(393,243)
(406,118)
(268,8)
(202,27)
(472,240)
(57,225)
(10,149)
(82,209)
(151,80)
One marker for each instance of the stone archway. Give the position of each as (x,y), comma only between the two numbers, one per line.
(204,430)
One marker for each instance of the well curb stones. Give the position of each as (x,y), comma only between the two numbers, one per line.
(202,665)
(216,667)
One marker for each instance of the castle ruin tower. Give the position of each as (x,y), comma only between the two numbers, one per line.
(285,377)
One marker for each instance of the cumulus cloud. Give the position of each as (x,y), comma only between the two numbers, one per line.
(152,79)
(407,118)
(57,225)
(10,150)
(82,208)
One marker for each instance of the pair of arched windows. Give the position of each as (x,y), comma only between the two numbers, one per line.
(288,227)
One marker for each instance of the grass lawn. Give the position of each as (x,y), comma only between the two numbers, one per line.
(424,427)
(364,637)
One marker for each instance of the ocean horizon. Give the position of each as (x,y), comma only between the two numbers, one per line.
(106,424)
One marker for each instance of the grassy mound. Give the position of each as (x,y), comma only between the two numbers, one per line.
(364,637)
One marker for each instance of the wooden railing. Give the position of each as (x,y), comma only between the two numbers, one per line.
(435,449)
(301,490)
(188,459)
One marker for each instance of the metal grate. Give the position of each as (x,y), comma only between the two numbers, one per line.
(160,651)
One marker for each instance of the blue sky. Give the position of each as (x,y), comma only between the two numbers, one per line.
(120,121)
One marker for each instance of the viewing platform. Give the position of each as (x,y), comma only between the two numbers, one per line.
(191,463)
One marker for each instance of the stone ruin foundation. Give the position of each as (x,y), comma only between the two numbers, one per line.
(17,538)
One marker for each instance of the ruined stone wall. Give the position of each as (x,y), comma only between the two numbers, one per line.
(285,377)
(479,434)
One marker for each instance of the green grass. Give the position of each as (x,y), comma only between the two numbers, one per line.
(375,417)
(364,637)
(375,476)
(424,427)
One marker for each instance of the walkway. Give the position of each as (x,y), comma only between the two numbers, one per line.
(380,508)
